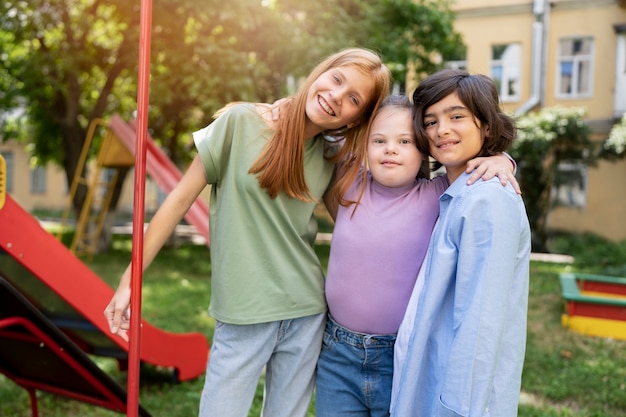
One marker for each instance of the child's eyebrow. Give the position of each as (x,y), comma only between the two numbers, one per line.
(447,110)
(454,108)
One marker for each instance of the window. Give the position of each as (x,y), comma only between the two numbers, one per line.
(456,59)
(570,185)
(506,70)
(574,78)
(38,180)
(8,158)
(620,74)
(459,65)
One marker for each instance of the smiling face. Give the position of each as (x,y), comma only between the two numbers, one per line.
(392,156)
(455,135)
(336,99)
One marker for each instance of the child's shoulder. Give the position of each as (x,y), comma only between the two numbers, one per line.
(238,112)
(240,108)
(437,184)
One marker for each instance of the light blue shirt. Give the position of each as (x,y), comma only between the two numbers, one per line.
(464,353)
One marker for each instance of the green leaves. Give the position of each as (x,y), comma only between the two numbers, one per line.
(64,63)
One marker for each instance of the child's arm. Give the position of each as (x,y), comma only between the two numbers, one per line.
(161,227)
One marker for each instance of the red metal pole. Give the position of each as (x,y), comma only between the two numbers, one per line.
(139,204)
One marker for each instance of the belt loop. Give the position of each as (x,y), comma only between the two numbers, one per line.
(334,328)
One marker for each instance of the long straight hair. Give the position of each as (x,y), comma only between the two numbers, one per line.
(280,167)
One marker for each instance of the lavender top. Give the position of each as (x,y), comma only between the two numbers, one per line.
(376,253)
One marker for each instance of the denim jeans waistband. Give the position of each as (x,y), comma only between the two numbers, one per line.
(359,339)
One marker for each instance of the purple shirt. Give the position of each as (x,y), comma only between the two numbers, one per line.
(376,253)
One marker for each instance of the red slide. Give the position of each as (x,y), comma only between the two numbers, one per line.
(64,288)
(163,171)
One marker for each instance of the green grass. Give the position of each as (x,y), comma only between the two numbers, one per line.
(565,374)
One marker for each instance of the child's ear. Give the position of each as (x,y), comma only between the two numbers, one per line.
(353,124)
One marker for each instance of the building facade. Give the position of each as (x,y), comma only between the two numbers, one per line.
(45,189)
(570,53)
(33,187)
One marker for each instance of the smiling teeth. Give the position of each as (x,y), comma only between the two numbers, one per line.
(328,110)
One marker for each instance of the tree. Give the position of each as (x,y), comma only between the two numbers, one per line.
(245,51)
(60,64)
(411,35)
(546,139)
(67,62)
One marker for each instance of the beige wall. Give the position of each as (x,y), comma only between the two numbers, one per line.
(598,22)
(605,211)
(56,197)
(484,23)
(479,38)
(56,191)
(478,4)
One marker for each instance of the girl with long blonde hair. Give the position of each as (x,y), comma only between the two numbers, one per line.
(267,284)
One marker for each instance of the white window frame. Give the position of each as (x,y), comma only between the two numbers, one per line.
(509,64)
(457,65)
(38,180)
(575,61)
(620,75)
(571,189)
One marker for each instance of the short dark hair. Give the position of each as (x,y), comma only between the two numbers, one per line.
(478,93)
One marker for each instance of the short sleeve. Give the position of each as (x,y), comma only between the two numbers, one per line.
(214,142)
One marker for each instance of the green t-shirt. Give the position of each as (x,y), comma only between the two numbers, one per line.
(264,267)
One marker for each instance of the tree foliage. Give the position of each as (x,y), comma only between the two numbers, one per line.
(60,64)
(417,32)
(67,62)
(546,139)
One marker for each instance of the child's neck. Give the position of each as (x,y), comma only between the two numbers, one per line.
(311,130)
(454,172)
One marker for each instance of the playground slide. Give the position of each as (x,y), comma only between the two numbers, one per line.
(163,171)
(36,257)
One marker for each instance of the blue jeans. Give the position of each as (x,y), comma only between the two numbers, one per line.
(354,373)
(287,349)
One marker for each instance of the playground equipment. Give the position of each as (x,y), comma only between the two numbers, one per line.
(3,181)
(55,364)
(91,218)
(595,304)
(53,308)
(115,152)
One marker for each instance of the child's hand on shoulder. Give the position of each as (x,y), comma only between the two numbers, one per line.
(500,166)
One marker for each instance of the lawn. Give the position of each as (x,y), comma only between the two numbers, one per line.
(565,374)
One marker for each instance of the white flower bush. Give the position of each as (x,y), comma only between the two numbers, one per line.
(616,143)
(550,123)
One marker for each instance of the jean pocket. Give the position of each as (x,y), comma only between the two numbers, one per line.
(328,341)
